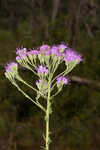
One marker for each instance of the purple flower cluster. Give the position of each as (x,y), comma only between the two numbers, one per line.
(62,47)
(71,55)
(44,48)
(55,51)
(21,57)
(63,80)
(62,50)
(67,54)
(42,70)
(33,52)
(21,54)
(10,66)
(21,51)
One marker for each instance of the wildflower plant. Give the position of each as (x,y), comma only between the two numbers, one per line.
(44,62)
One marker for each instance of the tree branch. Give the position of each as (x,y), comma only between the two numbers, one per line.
(85,81)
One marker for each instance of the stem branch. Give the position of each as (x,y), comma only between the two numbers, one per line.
(38,104)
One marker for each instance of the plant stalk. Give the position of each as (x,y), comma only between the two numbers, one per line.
(47,118)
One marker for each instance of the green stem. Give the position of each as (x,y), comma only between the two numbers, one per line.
(20,79)
(38,104)
(55,94)
(28,67)
(47,118)
(55,66)
(62,73)
(59,76)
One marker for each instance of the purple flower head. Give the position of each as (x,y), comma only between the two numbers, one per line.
(33,52)
(44,48)
(48,52)
(62,47)
(63,80)
(71,55)
(42,70)
(55,51)
(18,58)
(11,66)
(23,56)
(38,82)
(21,51)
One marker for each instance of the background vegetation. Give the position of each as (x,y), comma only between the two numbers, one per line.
(75,122)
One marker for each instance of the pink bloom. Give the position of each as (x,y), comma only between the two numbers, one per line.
(21,51)
(55,50)
(10,66)
(48,52)
(62,47)
(71,55)
(21,57)
(44,48)
(63,80)
(42,70)
(33,52)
